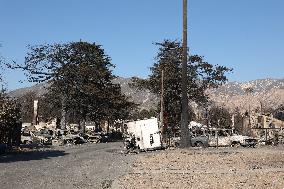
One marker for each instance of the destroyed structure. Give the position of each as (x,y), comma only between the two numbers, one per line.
(146,134)
(268,129)
(50,133)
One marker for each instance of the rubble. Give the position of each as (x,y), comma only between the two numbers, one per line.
(49,135)
(203,136)
(145,135)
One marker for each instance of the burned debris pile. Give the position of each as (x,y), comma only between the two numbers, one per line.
(50,135)
(256,129)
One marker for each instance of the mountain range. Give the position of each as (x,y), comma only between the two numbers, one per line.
(268,93)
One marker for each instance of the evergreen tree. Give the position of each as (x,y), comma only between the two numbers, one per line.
(80,80)
(10,126)
(278,113)
(220,117)
(201,76)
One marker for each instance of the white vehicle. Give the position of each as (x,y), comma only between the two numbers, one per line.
(146,133)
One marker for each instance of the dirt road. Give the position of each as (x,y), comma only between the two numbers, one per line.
(98,165)
(85,166)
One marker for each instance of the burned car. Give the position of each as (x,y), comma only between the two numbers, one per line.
(200,141)
(245,141)
(26,138)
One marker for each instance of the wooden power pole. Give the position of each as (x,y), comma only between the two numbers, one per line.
(163,130)
(185,135)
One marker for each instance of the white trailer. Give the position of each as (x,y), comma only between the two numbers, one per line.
(146,133)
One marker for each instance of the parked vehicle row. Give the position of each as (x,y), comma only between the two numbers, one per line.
(213,138)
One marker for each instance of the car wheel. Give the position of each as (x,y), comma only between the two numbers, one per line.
(236,144)
(27,142)
(199,144)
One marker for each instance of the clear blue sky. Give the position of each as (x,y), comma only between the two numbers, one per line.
(247,35)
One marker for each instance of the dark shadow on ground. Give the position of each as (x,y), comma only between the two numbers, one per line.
(31,155)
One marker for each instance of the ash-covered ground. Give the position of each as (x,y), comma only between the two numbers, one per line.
(66,167)
(261,167)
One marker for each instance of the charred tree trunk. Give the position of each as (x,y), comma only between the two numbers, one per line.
(83,126)
(163,129)
(63,114)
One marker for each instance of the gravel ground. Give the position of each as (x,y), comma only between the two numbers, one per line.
(84,166)
(261,167)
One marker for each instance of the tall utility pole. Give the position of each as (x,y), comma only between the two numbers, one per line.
(185,136)
(163,130)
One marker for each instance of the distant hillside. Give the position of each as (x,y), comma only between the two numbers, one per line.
(145,98)
(259,86)
(269,92)
(39,89)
